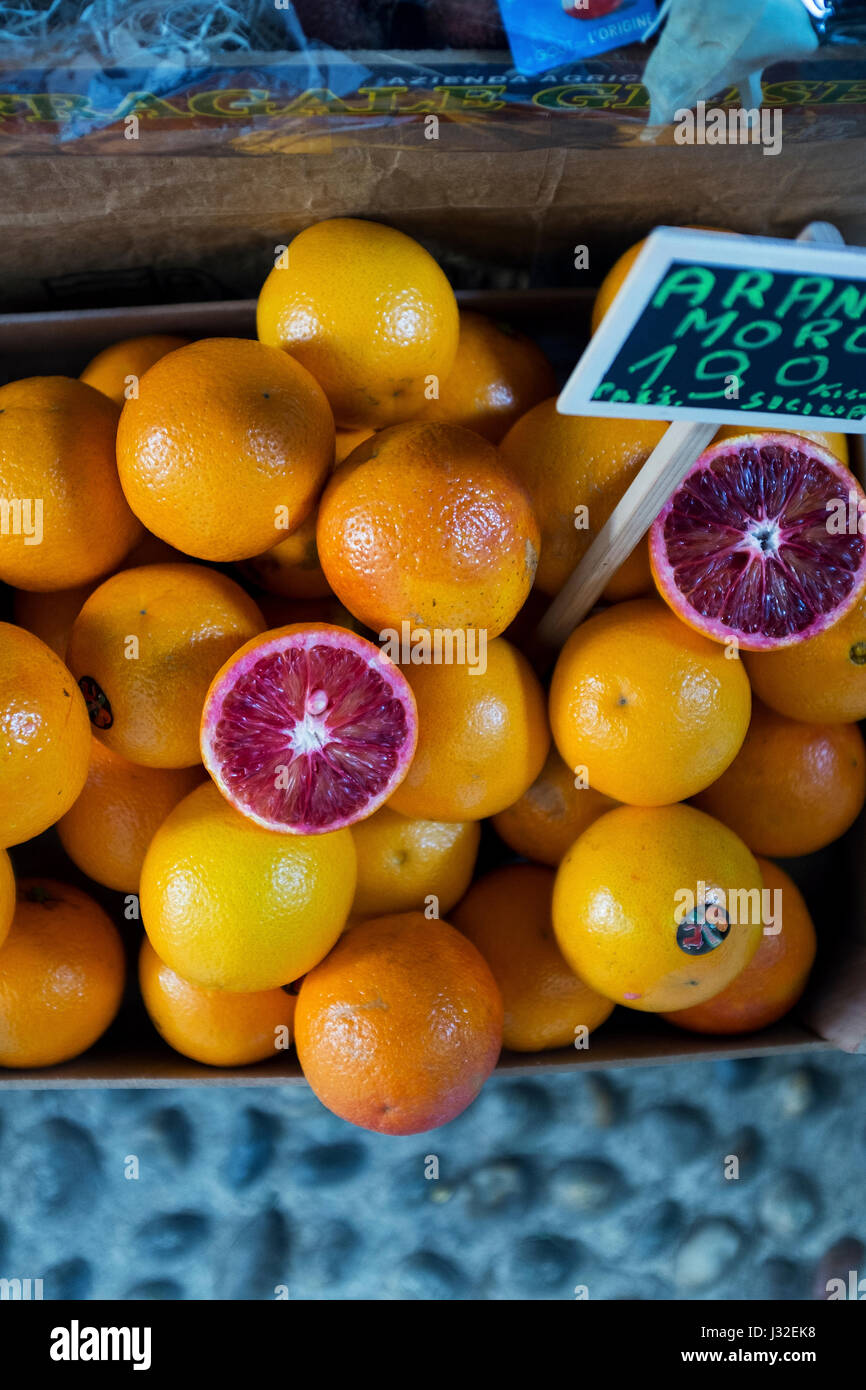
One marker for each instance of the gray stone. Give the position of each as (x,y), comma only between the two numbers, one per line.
(65,1165)
(254,1262)
(71,1280)
(502,1185)
(654,1232)
(789,1203)
(253,1149)
(587,1185)
(784,1279)
(173,1234)
(426,1275)
(546,1264)
(707,1253)
(156,1291)
(329,1163)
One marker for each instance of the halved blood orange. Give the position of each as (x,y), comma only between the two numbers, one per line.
(761,541)
(308,728)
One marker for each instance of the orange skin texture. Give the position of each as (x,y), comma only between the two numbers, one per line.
(399,1027)
(7,895)
(634,578)
(566,461)
(57,439)
(348,441)
(208,1025)
(228,438)
(369,312)
(498,375)
(653,710)
(615,905)
(775,977)
(424,524)
(482,739)
(62,971)
(44,736)
(821,680)
(794,787)
(188,620)
(229,905)
(507,915)
(107,831)
(108,370)
(544,823)
(401,861)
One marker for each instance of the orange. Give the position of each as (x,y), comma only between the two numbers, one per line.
(498,375)
(110,370)
(210,1026)
(229,905)
(403,862)
(576,469)
(657,905)
(651,710)
(7,895)
(347,440)
(107,831)
(634,578)
(793,787)
(226,448)
(44,736)
(57,461)
(482,737)
(821,680)
(399,1027)
(423,524)
(144,649)
(507,915)
(545,822)
(62,970)
(836,443)
(50,616)
(611,283)
(368,312)
(776,975)
(291,568)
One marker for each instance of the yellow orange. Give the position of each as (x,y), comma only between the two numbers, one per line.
(423,524)
(650,709)
(482,737)
(209,1025)
(575,469)
(507,915)
(50,616)
(498,375)
(643,903)
(57,459)
(821,680)
(368,312)
(400,1026)
(44,736)
(793,787)
(61,975)
(225,448)
(403,862)
(775,977)
(7,895)
(108,829)
(116,370)
(146,646)
(229,905)
(545,822)
(291,568)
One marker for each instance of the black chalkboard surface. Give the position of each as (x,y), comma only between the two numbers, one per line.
(735,330)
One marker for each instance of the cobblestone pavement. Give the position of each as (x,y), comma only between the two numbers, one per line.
(616,1182)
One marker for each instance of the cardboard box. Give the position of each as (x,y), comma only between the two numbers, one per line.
(833,1013)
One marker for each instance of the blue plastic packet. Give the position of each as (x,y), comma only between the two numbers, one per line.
(547,33)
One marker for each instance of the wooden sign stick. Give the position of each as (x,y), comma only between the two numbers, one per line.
(635,512)
(639,506)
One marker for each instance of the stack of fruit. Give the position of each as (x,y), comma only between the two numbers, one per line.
(273,665)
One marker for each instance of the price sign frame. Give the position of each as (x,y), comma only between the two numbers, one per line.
(669,268)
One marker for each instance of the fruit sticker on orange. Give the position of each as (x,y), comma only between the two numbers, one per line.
(752,331)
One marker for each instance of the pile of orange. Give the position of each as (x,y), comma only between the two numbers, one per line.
(382,466)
